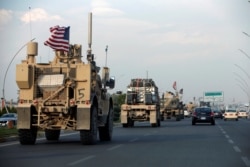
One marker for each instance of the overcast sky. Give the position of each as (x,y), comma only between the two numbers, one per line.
(193,42)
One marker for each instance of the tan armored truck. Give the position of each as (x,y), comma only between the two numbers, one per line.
(64,94)
(190,107)
(141,104)
(171,106)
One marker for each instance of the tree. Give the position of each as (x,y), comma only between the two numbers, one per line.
(118,99)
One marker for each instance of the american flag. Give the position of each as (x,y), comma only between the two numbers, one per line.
(174,85)
(59,39)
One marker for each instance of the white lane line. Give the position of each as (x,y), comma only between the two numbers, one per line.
(148,134)
(237,149)
(133,140)
(9,144)
(81,160)
(227,136)
(223,132)
(246,161)
(115,147)
(230,141)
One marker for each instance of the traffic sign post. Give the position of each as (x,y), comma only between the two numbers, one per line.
(213,96)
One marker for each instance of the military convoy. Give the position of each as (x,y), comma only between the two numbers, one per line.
(64,94)
(172,106)
(142,103)
(69,94)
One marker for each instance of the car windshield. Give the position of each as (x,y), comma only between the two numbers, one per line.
(242,111)
(231,110)
(203,109)
(7,115)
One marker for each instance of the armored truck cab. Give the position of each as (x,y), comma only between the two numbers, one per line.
(141,104)
(171,106)
(64,94)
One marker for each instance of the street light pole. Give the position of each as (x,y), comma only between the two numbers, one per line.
(246,33)
(244,91)
(242,80)
(243,70)
(244,53)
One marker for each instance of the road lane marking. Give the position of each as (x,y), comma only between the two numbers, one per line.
(81,160)
(246,161)
(133,140)
(227,136)
(230,141)
(237,149)
(115,147)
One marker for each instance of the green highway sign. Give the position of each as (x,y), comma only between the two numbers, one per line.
(213,96)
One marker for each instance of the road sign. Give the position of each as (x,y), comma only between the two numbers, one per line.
(213,96)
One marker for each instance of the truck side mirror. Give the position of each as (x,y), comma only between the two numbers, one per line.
(111,82)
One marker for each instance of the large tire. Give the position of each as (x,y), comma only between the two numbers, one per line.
(178,118)
(125,125)
(159,122)
(131,122)
(52,134)
(89,137)
(105,133)
(162,117)
(27,136)
(154,125)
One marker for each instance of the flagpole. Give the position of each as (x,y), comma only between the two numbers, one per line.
(106,55)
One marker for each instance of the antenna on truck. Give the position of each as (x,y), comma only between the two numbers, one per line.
(90,56)
(106,50)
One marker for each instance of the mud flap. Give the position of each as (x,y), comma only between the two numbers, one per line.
(153,117)
(124,117)
(83,117)
(24,117)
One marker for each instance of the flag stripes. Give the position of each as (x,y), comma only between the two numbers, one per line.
(59,39)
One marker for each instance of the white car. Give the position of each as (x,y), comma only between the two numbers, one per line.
(242,114)
(187,113)
(231,114)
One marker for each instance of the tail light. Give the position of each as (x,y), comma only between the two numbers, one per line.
(212,114)
(72,102)
(194,114)
(21,101)
(35,101)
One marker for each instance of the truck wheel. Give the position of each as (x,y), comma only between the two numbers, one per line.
(130,122)
(89,137)
(125,125)
(159,122)
(178,117)
(105,133)
(27,136)
(154,125)
(52,134)
(162,118)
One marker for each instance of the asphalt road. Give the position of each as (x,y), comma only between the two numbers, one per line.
(174,144)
